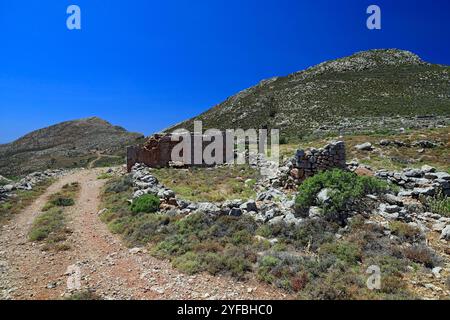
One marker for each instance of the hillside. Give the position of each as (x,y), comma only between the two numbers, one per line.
(67,144)
(371,90)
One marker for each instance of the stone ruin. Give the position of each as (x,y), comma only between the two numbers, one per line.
(156,152)
(308,163)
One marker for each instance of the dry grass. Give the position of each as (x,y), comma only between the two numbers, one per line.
(207,184)
(392,158)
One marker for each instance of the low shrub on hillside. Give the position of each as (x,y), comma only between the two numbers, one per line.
(405,232)
(423,255)
(147,203)
(346,188)
(439,204)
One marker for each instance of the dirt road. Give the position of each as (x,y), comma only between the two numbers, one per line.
(104,264)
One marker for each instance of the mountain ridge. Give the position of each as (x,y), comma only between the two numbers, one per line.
(372,84)
(66,144)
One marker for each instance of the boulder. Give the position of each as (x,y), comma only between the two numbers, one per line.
(364,147)
(445,234)
(324,195)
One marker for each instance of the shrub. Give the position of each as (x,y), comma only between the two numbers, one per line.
(346,188)
(439,204)
(63,202)
(404,231)
(119,185)
(344,251)
(147,203)
(189,263)
(423,255)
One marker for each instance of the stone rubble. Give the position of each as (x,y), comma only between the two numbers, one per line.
(26,183)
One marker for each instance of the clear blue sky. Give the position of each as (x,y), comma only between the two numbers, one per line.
(147,64)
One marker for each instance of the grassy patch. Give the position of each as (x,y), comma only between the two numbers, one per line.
(50,226)
(22,200)
(206,184)
(104,176)
(439,204)
(63,198)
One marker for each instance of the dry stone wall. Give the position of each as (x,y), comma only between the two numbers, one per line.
(308,163)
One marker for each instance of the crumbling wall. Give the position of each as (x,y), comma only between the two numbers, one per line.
(157,151)
(308,163)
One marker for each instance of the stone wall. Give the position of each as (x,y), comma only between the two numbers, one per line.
(308,163)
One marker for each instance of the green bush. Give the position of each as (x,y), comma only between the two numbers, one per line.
(147,203)
(63,202)
(344,251)
(346,188)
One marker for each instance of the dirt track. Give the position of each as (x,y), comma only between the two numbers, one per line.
(106,266)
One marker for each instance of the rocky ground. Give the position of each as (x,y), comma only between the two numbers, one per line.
(113,271)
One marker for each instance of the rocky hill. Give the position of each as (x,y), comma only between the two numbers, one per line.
(368,91)
(68,144)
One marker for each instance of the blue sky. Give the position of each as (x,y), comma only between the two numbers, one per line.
(146,64)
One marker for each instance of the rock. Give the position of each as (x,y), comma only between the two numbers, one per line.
(393,200)
(439,226)
(208,208)
(270,194)
(136,250)
(249,206)
(445,235)
(391,208)
(102,211)
(9,187)
(438,175)
(276,220)
(236,203)
(324,195)
(290,219)
(413,173)
(235,212)
(315,212)
(428,169)
(437,272)
(364,147)
(428,191)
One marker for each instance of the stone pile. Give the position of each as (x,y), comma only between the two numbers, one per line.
(145,183)
(27,183)
(425,144)
(418,182)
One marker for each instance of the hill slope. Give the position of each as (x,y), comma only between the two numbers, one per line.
(67,144)
(369,90)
